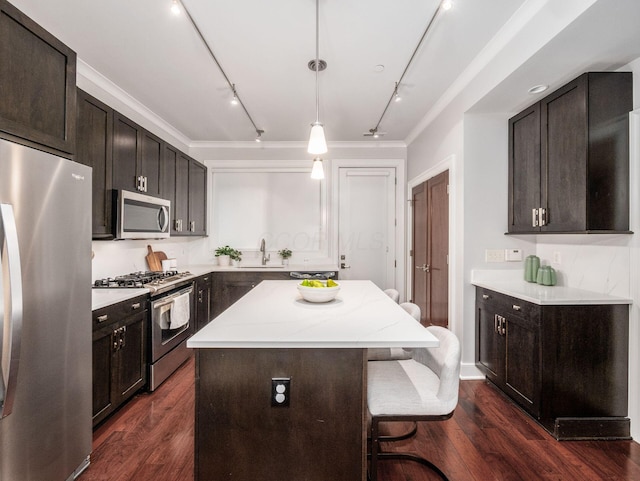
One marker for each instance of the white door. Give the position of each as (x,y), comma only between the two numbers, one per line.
(366,239)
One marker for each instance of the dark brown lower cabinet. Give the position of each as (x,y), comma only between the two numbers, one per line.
(566,365)
(203,286)
(119,354)
(228,287)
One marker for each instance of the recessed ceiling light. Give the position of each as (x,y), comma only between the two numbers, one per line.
(378,68)
(536,89)
(447,4)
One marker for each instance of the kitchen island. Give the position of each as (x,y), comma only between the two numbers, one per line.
(270,341)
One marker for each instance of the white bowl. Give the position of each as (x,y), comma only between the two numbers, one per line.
(318,294)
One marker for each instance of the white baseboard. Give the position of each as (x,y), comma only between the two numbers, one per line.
(469,372)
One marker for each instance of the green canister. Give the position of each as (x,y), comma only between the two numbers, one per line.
(531,266)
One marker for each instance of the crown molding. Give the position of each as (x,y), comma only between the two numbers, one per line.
(91,75)
(294,144)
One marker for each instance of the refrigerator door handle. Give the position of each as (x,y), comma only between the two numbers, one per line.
(10,308)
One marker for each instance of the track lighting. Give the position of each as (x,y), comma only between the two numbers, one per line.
(396,95)
(317,172)
(317,141)
(236,100)
(444,5)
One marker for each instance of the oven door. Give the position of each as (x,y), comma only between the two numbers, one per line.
(171,320)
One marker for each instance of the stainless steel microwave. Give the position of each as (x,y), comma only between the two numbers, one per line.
(141,216)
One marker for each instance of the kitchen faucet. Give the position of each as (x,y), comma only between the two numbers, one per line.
(265,258)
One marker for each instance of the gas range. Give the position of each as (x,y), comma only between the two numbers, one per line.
(156,282)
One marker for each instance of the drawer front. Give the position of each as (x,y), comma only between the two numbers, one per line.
(110,314)
(508,306)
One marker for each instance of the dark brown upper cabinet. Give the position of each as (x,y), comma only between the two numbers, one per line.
(95,149)
(569,158)
(38,85)
(137,157)
(197,198)
(184,183)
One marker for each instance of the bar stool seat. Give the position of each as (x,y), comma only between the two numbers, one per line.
(423,388)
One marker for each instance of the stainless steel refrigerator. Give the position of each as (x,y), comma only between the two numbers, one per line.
(45,315)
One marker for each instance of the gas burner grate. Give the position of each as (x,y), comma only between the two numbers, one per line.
(138,279)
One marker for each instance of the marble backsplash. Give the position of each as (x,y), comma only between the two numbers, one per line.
(594,263)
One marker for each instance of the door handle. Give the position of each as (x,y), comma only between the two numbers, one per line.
(344,266)
(11,267)
(424,267)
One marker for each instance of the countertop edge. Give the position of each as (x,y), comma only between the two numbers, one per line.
(550,295)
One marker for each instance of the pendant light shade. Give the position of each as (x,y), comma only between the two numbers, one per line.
(317,142)
(317,172)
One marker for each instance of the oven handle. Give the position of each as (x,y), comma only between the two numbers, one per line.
(170,299)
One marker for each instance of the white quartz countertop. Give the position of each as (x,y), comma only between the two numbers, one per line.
(274,315)
(105,297)
(511,283)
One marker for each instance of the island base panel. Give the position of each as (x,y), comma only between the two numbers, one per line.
(321,434)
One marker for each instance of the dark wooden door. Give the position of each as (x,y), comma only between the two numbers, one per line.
(197,198)
(524,169)
(203,301)
(564,157)
(126,150)
(150,166)
(182,195)
(130,373)
(522,364)
(420,254)
(490,346)
(37,83)
(168,181)
(102,369)
(431,250)
(94,148)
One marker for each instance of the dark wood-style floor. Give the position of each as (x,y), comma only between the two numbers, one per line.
(488,438)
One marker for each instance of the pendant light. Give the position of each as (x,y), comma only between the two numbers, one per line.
(316,171)
(317,142)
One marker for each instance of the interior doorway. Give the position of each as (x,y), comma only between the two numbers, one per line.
(367,238)
(430,249)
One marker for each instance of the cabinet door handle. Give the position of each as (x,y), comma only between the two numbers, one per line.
(103,318)
(503,326)
(485,296)
(192,226)
(516,307)
(135,306)
(534,217)
(115,335)
(495,323)
(543,216)
(123,336)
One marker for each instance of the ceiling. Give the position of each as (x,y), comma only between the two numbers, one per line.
(264,47)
